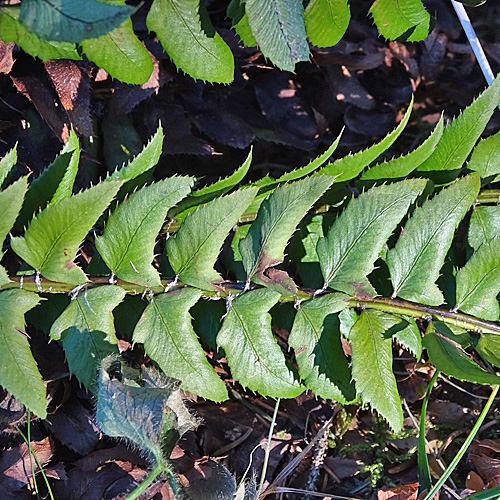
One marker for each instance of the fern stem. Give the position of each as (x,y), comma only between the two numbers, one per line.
(426,312)
(489,196)
(385,304)
(157,470)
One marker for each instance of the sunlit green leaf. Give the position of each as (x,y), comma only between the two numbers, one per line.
(127,244)
(167,334)
(326,21)
(315,336)
(190,40)
(253,354)
(121,54)
(415,261)
(18,371)
(53,237)
(352,245)
(371,345)
(8,162)
(484,225)
(193,250)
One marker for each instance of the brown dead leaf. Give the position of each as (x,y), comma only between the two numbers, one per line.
(15,465)
(72,85)
(404,492)
(6,59)
(474,482)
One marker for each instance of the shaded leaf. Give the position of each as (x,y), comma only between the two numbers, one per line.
(315,336)
(18,371)
(488,346)
(278,28)
(460,136)
(72,20)
(128,241)
(126,401)
(143,162)
(484,225)
(449,357)
(350,166)
(406,19)
(352,245)
(53,237)
(236,11)
(326,21)
(371,343)
(415,261)
(276,221)
(7,163)
(190,40)
(253,354)
(409,337)
(478,282)
(167,334)
(193,250)
(121,54)
(404,165)
(87,332)
(11,29)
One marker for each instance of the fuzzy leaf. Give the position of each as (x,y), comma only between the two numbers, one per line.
(53,237)
(478,282)
(72,20)
(415,261)
(56,178)
(143,162)
(404,165)
(410,338)
(460,136)
(277,219)
(485,159)
(167,334)
(406,19)
(326,21)
(278,27)
(371,344)
(315,336)
(192,42)
(18,371)
(350,166)
(12,30)
(352,245)
(65,187)
(253,354)
(8,162)
(449,357)
(193,250)
(121,54)
(236,11)
(87,332)
(484,225)
(143,407)
(128,241)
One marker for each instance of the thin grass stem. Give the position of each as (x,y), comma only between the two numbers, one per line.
(268,447)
